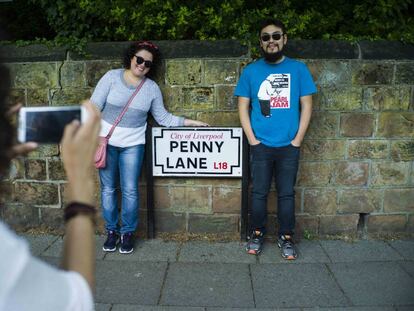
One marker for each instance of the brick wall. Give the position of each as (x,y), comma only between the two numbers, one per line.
(356,173)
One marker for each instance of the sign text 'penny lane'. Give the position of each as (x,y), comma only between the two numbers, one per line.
(197,152)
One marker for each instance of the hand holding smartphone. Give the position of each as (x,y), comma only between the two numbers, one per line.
(45,125)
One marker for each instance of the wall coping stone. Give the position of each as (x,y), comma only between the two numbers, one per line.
(306,49)
(386,50)
(319,49)
(170,49)
(31,53)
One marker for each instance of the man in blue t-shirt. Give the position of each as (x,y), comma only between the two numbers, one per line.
(275,107)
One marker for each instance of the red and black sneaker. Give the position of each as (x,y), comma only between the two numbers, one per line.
(287,247)
(255,242)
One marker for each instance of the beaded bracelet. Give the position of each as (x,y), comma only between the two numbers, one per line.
(75,208)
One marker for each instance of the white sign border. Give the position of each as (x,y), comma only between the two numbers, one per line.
(198,129)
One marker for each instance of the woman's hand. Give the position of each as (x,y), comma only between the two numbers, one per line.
(189,122)
(79,144)
(20,149)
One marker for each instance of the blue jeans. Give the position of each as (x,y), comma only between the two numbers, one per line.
(123,167)
(282,163)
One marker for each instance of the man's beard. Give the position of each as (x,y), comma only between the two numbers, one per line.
(272,57)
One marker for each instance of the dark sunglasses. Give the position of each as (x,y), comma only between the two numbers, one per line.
(140,60)
(275,36)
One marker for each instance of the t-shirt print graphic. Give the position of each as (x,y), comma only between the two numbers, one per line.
(274,93)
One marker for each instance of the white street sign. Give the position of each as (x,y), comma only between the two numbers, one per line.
(202,151)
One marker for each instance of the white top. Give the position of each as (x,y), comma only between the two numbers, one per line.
(27,283)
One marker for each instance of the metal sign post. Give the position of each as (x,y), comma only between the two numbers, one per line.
(150,184)
(244,211)
(196,152)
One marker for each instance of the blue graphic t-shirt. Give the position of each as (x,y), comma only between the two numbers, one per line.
(274,91)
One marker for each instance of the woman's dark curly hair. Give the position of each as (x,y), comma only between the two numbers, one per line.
(135,47)
(6,127)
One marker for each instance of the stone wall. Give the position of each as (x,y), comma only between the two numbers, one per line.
(356,173)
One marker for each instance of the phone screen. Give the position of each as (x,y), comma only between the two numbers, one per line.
(48,126)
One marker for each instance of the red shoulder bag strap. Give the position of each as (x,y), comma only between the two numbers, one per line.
(125,109)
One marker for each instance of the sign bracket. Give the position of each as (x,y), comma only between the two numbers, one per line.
(149,173)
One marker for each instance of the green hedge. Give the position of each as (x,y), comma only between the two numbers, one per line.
(123,20)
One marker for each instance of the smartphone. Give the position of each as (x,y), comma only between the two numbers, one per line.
(45,125)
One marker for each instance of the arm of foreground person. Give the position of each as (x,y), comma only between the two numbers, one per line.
(27,283)
(78,148)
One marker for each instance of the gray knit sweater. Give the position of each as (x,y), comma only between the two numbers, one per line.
(111,95)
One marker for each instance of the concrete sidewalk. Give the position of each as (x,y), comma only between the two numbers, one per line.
(203,276)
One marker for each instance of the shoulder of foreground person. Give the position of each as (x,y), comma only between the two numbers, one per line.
(28,283)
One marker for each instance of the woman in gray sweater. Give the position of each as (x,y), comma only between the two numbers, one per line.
(126,145)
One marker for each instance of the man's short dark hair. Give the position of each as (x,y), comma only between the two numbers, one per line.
(272,21)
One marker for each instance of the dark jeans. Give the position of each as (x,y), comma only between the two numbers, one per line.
(282,163)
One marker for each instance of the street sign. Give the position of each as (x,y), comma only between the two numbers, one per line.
(201,152)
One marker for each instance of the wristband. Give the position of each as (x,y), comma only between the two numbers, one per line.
(75,208)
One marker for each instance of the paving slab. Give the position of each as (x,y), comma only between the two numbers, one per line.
(133,282)
(102,307)
(376,308)
(404,247)
(153,308)
(201,251)
(39,243)
(308,252)
(374,283)
(208,284)
(148,250)
(203,276)
(408,266)
(366,250)
(252,309)
(56,249)
(304,285)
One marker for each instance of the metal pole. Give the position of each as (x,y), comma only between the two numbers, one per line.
(244,212)
(150,184)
